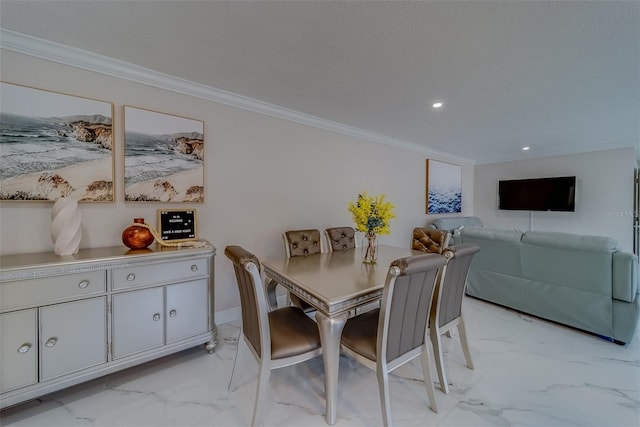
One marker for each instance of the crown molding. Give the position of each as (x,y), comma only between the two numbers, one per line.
(89,61)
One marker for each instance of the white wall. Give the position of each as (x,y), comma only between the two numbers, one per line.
(262,175)
(604,194)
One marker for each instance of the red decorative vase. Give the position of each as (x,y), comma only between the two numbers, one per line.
(136,237)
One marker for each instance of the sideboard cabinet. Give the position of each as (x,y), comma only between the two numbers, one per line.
(69,319)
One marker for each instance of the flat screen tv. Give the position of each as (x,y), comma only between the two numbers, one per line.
(538,194)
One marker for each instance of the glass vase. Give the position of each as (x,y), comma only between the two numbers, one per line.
(369,248)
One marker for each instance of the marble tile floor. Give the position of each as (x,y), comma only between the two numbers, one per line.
(528,372)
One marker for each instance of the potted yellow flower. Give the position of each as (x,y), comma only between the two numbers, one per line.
(371,215)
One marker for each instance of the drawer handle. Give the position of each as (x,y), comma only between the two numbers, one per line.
(51,342)
(156,317)
(194,267)
(24,348)
(131,277)
(173,313)
(83,284)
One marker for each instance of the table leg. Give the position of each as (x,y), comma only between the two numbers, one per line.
(330,331)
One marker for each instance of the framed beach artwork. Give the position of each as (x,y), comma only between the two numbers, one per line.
(54,145)
(163,157)
(444,187)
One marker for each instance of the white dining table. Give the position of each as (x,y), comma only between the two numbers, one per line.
(334,283)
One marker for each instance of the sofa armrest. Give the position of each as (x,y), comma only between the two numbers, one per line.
(625,276)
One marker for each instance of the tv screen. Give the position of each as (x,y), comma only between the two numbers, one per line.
(539,194)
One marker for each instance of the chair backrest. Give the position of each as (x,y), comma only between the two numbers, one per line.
(430,240)
(253,301)
(406,304)
(341,238)
(302,242)
(451,287)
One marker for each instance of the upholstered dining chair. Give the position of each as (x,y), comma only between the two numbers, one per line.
(277,338)
(302,242)
(297,243)
(446,311)
(386,338)
(430,240)
(341,238)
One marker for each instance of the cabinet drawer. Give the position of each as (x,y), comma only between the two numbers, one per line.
(50,289)
(125,278)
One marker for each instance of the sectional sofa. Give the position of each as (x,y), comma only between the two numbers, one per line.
(582,281)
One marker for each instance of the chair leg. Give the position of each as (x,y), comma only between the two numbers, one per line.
(462,330)
(385,402)
(240,351)
(437,352)
(428,381)
(263,384)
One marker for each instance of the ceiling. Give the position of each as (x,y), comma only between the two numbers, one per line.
(560,77)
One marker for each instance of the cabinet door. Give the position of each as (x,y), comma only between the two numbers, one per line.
(138,321)
(187,309)
(18,349)
(73,336)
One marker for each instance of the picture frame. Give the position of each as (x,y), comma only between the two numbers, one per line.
(163,157)
(443,187)
(177,225)
(55,145)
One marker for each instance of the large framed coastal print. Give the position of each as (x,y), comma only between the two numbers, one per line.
(163,157)
(444,187)
(54,145)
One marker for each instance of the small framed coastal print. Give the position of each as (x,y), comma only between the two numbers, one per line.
(444,187)
(54,145)
(163,157)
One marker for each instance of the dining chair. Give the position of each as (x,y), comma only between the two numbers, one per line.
(341,238)
(430,240)
(297,243)
(384,339)
(277,338)
(446,311)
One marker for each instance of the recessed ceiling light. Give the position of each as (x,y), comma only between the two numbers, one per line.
(525,148)
(437,105)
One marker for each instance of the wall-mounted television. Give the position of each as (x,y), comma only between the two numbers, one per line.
(538,194)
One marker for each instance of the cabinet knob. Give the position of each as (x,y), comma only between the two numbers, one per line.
(173,313)
(51,342)
(24,348)
(131,277)
(194,267)
(156,317)
(83,284)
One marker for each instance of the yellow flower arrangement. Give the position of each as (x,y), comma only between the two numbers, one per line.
(372,214)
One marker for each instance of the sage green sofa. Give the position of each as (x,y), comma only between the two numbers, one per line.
(581,281)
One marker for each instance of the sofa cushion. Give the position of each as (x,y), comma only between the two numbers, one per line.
(573,261)
(500,249)
(567,241)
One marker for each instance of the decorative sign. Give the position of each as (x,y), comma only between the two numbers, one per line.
(177,225)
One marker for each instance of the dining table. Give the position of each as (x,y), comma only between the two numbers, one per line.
(335,284)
